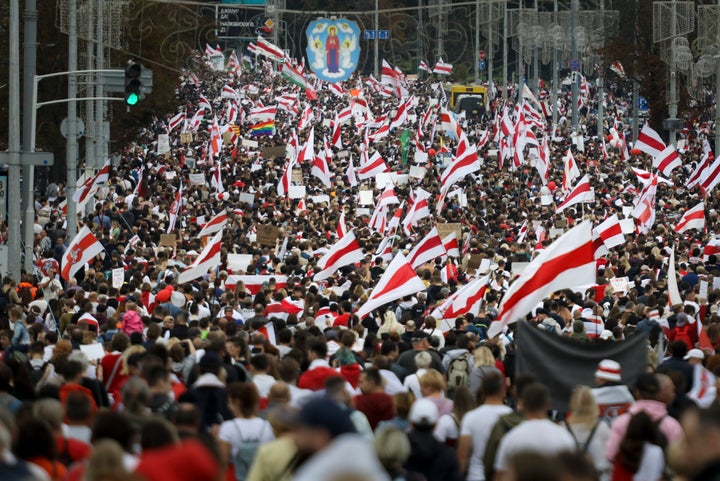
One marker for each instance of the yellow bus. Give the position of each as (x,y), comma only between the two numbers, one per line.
(471,99)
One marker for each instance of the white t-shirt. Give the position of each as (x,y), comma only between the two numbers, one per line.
(412,382)
(652,464)
(446,428)
(478,424)
(537,435)
(263,382)
(596,448)
(239,430)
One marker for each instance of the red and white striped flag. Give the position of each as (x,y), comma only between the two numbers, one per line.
(268,330)
(84,191)
(228,92)
(423,66)
(398,281)
(429,248)
(216,140)
(208,259)
(566,263)
(176,121)
(283,186)
(388,197)
(451,245)
(692,219)
(344,252)
(308,149)
(83,248)
(649,141)
(267,49)
(581,193)
(644,210)
(254,284)
(321,171)
(341,227)
(442,68)
(175,209)
(466,300)
(571,171)
(306,118)
(375,165)
(610,232)
(667,160)
(464,164)
(617,67)
(213,225)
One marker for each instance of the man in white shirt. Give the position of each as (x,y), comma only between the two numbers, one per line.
(477,425)
(259,367)
(412,381)
(536,434)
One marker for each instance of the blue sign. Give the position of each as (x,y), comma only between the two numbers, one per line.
(481,64)
(574,65)
(376,34)
(333,49)
(643,104)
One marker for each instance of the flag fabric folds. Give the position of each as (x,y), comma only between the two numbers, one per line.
(83,248)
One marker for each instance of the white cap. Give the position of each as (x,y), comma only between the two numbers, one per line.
(608,370)
(177,299)
(694,354)
(423,413)
(605,335)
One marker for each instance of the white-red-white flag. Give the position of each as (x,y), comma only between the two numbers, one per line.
(566,263)
(267,49)
(374,166)
(451,245)
(176,121)
(208,259)
(308,150)
(83,191)
(344,252)
(283,186)
(423,66)
(692,219)
(464,164)
(213,225)
(321,171)
(398,281)
(341,227)
(216,180)
(254,283)
(442,68)
(649,141)
(644,210)
(610,232)
(667,160)
(427,249)
(466,300)
(216,141)
(582,192)
(83,248)
(571,171)
(175,209)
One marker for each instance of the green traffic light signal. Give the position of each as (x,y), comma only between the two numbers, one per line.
(133,83)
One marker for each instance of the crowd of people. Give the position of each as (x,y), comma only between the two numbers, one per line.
(263,373)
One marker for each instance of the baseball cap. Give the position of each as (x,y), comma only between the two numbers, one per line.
(694,354)
(423,413)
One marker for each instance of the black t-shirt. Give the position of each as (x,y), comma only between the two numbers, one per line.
(180,331)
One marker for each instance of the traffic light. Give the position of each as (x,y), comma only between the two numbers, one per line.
(133,83)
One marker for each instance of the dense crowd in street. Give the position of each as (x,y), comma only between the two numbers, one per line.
(220,331)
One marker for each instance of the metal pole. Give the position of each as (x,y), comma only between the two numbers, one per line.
(505,51)
(14,251)
(441,49)
(553,93)
(90,128)
(535,87)
(636,115)
(420,37)
(29,68)
(100,144)
(601,90)
(489,53)
(575,90)
(377,48)
(71,145)
(476,60)
(717,98)
(672,106)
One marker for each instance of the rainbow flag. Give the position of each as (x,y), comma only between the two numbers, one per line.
(263,128)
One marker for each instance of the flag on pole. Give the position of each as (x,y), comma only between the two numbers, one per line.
(610,232)
(423,66)
(649,141)
(466,300)
(175,209)
(398,281)
(566,263)
(617,67)
(692,219)
(427,249)
(267,49)
(208,259)
(581,193)
(213,225)
(674,298)
(83,191)
(667,160)
(442,68)
(83,248)
(344,252)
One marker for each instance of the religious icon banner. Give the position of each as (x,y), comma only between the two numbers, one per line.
(333,48)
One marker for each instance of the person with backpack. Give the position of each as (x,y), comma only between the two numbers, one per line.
(589,432)
(241,436)
(458,364)
(652,401)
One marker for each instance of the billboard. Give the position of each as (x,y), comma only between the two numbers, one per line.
(333,48)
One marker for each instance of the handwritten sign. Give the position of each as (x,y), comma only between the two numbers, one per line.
(267,234)
(186,137)
(167,240)
(444,230)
